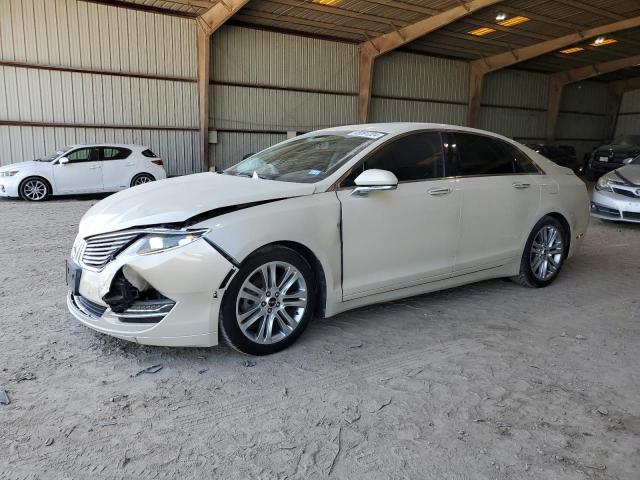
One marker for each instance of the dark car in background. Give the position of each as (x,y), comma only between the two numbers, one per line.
(563,155)
(610,157)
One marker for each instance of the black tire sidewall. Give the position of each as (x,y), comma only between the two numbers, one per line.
(137,176)
(24,182)
(228,323)
(525,266)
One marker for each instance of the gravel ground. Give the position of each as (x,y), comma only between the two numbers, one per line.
(488,381)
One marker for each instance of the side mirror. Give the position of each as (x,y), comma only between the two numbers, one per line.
(63,160)
(374,180)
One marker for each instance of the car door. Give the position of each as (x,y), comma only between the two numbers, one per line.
(81,175)
(500,200)
(117,167)
(403,237)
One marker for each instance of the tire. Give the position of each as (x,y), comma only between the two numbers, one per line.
(553,251)
(142,178)
(256,304)
(34,189)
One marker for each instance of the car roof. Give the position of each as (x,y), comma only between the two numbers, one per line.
(115,145)
(401,127)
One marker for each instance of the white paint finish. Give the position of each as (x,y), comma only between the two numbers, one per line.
(82,177)
(74,34)
(496,219)
(405,256)
(397,238)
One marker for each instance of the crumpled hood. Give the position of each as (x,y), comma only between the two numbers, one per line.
(178,199)
(630,173)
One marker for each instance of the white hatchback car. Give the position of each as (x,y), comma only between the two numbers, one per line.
(81,169)
(319,224)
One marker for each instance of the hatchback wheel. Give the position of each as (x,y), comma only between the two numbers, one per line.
(141,179)
(269,302)
(544,254)
(34,189)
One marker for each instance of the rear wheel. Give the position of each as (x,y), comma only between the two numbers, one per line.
(269,302)
(141,179)
(544,254)
(34,189)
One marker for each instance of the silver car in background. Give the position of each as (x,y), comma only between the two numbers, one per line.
(617,194)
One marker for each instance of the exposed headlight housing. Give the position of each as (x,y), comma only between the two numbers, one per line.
(604,183)
(161,240)
(8,173)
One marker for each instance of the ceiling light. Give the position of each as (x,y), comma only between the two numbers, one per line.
(568,51)
(600,41)
(513,21)
(501,16)
(479,32)
(327,2)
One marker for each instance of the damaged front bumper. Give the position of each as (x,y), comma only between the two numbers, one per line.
(187,286)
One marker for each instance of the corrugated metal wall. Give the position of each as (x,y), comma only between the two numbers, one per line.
(267,83)
(629,118)
(85,72)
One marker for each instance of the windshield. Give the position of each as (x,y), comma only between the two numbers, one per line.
(628,140)
(306,159)
(636,161)
(51,157)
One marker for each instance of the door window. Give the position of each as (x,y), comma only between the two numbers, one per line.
(417,156)
(113,153)
(83,155)
(521,162)
(480,155)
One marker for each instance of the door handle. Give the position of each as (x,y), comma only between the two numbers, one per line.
(521,186)
(436,192)
(130,164)
(93,168)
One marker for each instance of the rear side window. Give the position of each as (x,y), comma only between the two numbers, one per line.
(417,156)
(113,153)
(149,154)
(521,162)
(479,155)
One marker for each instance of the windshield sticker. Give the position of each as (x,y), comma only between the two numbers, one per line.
(367,134)
(314,172)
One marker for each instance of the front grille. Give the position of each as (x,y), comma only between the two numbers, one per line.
(626,193)
(99,250)
(631,215)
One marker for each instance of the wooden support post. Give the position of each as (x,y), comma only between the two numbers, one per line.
(204,51)
(553,106)
(365,81)
(476,79)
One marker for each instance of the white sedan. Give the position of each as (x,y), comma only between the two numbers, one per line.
(319,224)
(81,169)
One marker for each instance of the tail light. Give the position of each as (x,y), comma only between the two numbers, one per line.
(157,162)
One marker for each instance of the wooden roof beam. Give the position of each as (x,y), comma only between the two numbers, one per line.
(208,23)
(374,47)
(479,68)
(558,80)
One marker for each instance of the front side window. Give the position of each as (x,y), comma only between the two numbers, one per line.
(418,156)
(480,155)
(112,153)
(307,159)
(82,155)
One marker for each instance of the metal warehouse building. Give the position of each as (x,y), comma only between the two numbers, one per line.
(205,82)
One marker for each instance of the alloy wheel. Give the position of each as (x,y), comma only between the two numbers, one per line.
(142,179)
(271,302)
(546,253)
(35,190)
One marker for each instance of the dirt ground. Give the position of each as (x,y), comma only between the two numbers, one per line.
(488,381)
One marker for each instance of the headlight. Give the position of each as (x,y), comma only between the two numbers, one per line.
(162,240)
(9,173)
(603,183)
(628,160)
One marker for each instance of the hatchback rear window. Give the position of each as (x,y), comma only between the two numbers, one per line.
(148,153)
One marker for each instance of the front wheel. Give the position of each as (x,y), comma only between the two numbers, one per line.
(269,302)
(34,189)
(544,254)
